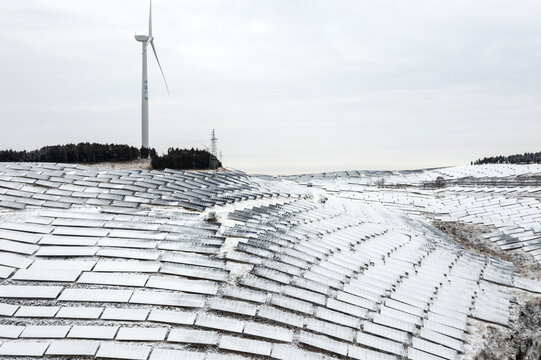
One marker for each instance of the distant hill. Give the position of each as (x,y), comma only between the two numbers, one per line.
(92,153)
(526,158)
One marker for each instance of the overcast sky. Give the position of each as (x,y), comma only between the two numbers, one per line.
(291,86)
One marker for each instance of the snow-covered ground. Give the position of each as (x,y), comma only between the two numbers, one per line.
(141,264)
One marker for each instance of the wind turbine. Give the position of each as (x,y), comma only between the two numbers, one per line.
(145,40)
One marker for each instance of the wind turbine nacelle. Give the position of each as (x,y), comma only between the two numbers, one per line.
(141,38)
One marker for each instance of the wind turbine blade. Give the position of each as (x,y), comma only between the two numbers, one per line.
(150,20)
(158,60)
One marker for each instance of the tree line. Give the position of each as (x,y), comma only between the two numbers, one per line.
(90,153)
(85,153)
(526,158)
(184,159)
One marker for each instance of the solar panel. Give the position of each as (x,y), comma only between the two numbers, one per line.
(17,247)
(434,349)
(444,329)
(175,283)
(347,308)
(72,348)
(380,344)
(394,323)
(66,251)
(141,334)
(104,265)
(305,295)
(140,254)
(267,331)
(26,348)
(386,332)
(356,300)
(96,295)
(245,345)
(37,311)
(20,236)
(442,339)
(10,331)
(113,279)
(172,317)
(330,329)
(292,304)
(337,317)
(79,312)
(277,315)
(233,306)
(45,331)
(169,354)
(244,294)
(121,351)
(356,352)
(168,298)
(195,272)
(30,291)
(191,336)
(220,323)
(26,227)
(258,283)
(323,342)
(8,309)
(125,314)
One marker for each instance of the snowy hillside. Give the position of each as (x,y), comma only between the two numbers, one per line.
(139,264)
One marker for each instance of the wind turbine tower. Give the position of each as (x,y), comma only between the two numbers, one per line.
(145,40)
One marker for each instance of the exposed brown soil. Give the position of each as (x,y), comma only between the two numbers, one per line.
(471,237)
(521,342)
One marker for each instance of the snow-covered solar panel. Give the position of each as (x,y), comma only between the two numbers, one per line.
(292,304)
(37,311)
(79,312)
(380,343)
(141,334)
(249,346)
(26,348)
(123,351)
(219,323)
(330,329)
(323,342)
(191,336)
(434,349)
(386,332)
(277,315)
(275,333)
(233,306)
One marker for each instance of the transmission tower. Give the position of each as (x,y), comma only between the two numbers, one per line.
(213,164)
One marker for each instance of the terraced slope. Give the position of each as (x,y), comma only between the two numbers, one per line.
(506,198)
(123,264)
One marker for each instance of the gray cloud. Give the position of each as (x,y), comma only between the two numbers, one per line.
(289,86)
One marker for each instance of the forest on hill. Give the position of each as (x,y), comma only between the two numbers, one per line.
(526,158)
(186,159)
(92,153)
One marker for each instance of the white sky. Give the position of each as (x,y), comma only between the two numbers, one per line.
(291,86)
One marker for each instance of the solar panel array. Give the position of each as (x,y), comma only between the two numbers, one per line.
(417,177)
(513,216)
(278,276)
(62,186)
(505,197)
